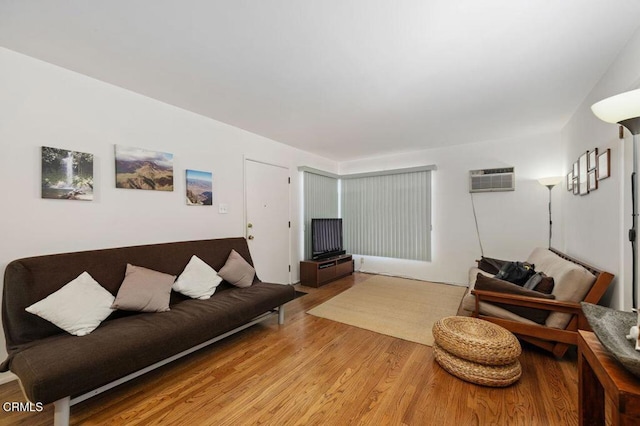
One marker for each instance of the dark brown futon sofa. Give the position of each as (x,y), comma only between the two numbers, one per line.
(54,366)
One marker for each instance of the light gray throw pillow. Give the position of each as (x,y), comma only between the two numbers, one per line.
(144,290)
(237,271)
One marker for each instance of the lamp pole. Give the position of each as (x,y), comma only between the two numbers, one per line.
(550,182)
(633,125)
(550,222)
(624,109)
(633,232)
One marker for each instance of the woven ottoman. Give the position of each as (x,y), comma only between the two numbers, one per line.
(477,351)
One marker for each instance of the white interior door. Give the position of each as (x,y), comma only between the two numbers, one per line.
(267,220)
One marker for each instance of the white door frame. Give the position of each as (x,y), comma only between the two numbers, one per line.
(245,231)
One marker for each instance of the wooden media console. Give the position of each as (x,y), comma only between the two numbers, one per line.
(314,273)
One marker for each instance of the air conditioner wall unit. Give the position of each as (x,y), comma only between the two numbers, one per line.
(492,180)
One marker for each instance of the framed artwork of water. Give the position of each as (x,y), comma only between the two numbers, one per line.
(67,175)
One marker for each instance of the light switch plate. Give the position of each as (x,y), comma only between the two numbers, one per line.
(223,208)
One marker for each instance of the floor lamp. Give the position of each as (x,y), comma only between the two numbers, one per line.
(624,109)
(550,182)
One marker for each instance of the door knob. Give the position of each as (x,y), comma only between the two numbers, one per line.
(249,225)
(250,237)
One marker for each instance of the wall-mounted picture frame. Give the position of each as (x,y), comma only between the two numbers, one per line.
(570,181)
(138,168)
(592,181)
(582,173)
(575,169)
(604,165)
(593,159)
(199,188)
(67,175)
(576,186)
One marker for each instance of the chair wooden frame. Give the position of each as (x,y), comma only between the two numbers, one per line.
(554,340)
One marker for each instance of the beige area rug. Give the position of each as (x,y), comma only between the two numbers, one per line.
(397,307)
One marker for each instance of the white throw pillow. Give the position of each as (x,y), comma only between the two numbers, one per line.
(78,308)
(198,280)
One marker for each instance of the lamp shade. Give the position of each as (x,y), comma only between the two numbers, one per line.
(623,108)
(550,181)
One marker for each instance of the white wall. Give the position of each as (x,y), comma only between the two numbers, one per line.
(511,223)
(596,225)
(42,104)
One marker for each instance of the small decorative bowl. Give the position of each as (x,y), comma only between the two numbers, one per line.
(611,327)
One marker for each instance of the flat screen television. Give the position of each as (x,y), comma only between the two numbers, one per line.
(326,238)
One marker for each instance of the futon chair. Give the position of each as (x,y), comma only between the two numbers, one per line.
(574,282)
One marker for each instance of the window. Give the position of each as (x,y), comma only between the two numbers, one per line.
(320,201)
(388,215)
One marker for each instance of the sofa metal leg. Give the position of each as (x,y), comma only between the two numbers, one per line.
(62,411)
(281,314)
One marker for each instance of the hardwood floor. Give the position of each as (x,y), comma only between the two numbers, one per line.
(312,371)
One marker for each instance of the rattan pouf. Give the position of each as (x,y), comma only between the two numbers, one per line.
(474,372)
(477,351)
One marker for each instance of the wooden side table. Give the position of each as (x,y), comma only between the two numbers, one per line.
(600,377)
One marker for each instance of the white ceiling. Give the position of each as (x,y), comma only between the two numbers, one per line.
(342,78)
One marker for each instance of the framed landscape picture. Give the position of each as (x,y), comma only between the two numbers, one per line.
(593,155)
(582,174)
(593,181)
(67,175)
(138,168)
(199,188)
(570,181)
(604,165)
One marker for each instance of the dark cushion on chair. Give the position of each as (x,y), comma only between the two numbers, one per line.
(540,282)
(499,286)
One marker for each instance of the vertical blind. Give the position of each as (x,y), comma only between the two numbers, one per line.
(320,201)
(388,215)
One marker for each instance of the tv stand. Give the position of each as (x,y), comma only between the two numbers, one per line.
(314,273)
